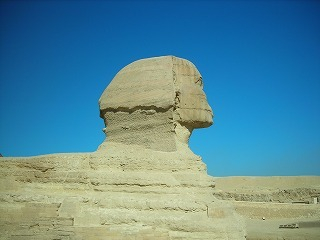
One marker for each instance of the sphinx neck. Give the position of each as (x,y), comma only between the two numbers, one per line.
(157,130)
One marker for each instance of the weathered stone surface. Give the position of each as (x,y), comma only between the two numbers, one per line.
(160,195)
(155,103)
(142,183)
(275,189)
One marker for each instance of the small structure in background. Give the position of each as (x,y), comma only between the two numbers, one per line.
(1,155)
(292,225)
(316,198)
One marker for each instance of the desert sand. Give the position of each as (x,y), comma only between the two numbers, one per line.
(268,202)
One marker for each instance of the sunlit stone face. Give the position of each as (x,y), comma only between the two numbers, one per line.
(194,108)
(191,101)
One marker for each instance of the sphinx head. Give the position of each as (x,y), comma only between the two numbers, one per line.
(155,103)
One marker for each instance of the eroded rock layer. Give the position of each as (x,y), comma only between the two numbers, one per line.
(131,193)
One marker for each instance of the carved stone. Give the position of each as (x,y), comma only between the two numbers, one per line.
(155,103)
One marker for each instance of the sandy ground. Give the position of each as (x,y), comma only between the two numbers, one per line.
(272,198)
(309,229)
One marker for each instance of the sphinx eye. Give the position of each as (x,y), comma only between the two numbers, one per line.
(199,81)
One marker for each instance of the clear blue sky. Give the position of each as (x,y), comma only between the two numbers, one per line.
(260,62)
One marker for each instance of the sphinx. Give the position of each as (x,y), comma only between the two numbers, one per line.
(143,182)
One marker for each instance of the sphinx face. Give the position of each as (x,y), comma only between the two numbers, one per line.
(194,108)
(191,101)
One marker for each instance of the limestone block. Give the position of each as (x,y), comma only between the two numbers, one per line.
(69,208)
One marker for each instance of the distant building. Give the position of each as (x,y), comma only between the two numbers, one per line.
(316,198)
